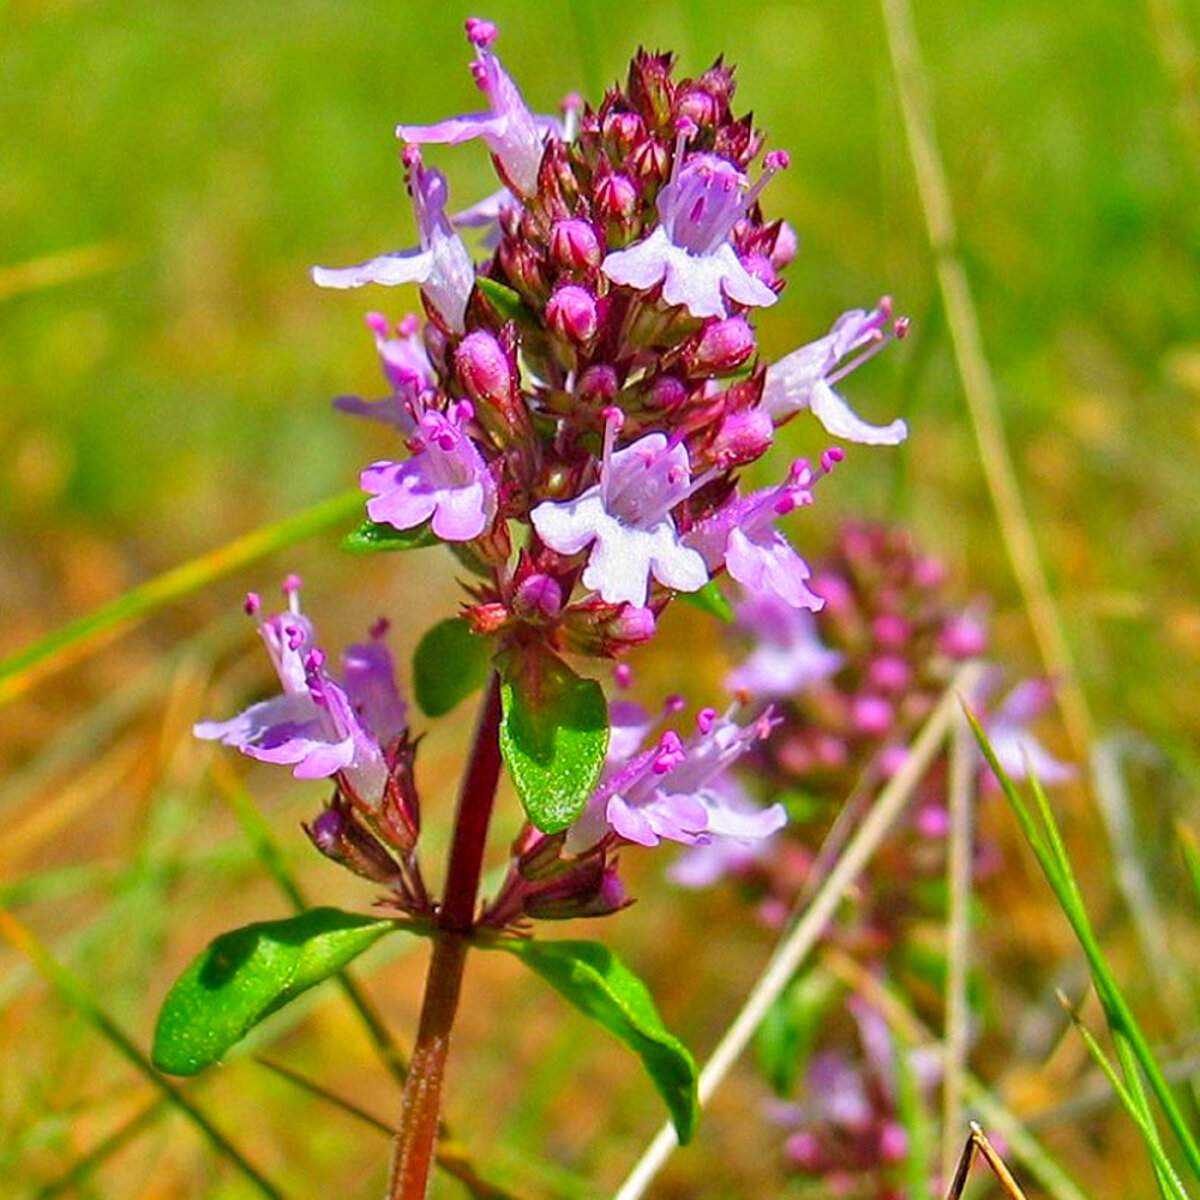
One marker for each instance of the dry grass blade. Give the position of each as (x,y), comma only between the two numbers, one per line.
(978,385)
(977,1143)
(73,991)
(21,671)
(811,923)
(958,935)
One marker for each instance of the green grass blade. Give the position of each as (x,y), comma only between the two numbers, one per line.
(1051,856)
(911,1110)
(20,671)
(1137,1093)
(1167,1177)
(1190,850)
(75,993)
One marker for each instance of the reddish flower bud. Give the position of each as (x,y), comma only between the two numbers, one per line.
(964,637)
(787,244)
(743,437)
(574,244)
(721,347)
(666,393)
(650,160)
(624,128)
(484,371)
(891,631)
(339,836)
(486,618)
(539,596)
(889,674)
(632,626)
(871,715)
(598,386)
(617,198)
(571,313)
(699,107)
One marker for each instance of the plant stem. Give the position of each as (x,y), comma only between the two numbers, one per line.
(416,1138)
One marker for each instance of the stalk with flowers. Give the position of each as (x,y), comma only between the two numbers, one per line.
(576,409)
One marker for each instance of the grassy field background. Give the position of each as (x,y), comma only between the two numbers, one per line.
(169,173)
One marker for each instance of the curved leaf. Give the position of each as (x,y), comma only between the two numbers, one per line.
(712,600)
(553,735)
(450,663)
(246,974)
(602,987)
(372,536)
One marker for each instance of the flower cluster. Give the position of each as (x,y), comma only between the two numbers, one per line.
(850,685)
(575,409)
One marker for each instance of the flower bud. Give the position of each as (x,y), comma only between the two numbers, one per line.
(574,245)
(632,625)
(698,106)
(617,198)
(743,437)
(786,246)
(891,631)
(592,889)
(538,596)
(666,393)
(626,129)
(571,313)
(871,715)
(650,160)
(484,371)
(963,637)
(721,347)
(598,386)
(337,834)
(805,1151)
(889,673)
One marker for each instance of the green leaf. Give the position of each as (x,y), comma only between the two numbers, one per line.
(553,735)
(449,664)
(711,599)
(507,303)
(373,536)
(602,987)
(246,974)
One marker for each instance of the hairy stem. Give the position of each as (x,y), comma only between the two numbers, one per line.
(416,1138)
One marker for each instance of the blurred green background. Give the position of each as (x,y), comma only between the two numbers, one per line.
(169,171)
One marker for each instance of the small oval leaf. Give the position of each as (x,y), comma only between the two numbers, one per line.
(373,536)
(602,987)
(508,304)
(553,735)
(449,664)
(246,974)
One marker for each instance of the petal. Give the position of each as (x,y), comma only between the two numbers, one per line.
(453,131)
(752,825)
(570,525)
(694,280)
(675,565)
(740,285)
(256,722)
(619,566)
(836,415)
(391,410)
(407,266)
(461,513)
(324,759)
(630,822)
(641,265)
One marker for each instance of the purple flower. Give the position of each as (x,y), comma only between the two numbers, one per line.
(512,132)
(626,518)
(743,537)
(445,479)
(689,251)
(788,654)
(1015,747)
(805,378)
(442,265)
(317,725)
(406,364)
(677,791)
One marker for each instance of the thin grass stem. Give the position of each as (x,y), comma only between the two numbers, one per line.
(962,318)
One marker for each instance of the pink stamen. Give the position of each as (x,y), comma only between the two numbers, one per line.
(705,719)
(480,33)
(252,604)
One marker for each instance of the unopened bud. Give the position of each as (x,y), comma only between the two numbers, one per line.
(592,889)
(871,715)
(539,596)
(540,857)
(484,371)
(632,625)
(650,160)
(598,386)
(786,246)
(743,437)
(699,107)
(574,245)
(486,618)
(571,313)
(666,393)
(617,198)
(891,631)
(722,347)
(339,836)
(624,128)
(964,637)
(890,673)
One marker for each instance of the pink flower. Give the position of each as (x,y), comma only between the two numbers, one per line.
(512,132)
(788,654)
(804,379)
(446,480)
(689,251)
(626,519)
(442,265)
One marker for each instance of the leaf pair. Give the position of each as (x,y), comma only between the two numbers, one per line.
(245,975)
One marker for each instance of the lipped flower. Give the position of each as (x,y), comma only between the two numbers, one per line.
(805,378)
(1016,747)
(626,520)
(319,725)
(441,265)
(446,480)
(689,252)
(788,655)
(407,368)
(513,133)
(742,537)
(677,790)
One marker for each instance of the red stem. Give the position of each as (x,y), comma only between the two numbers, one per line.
(416,1138)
